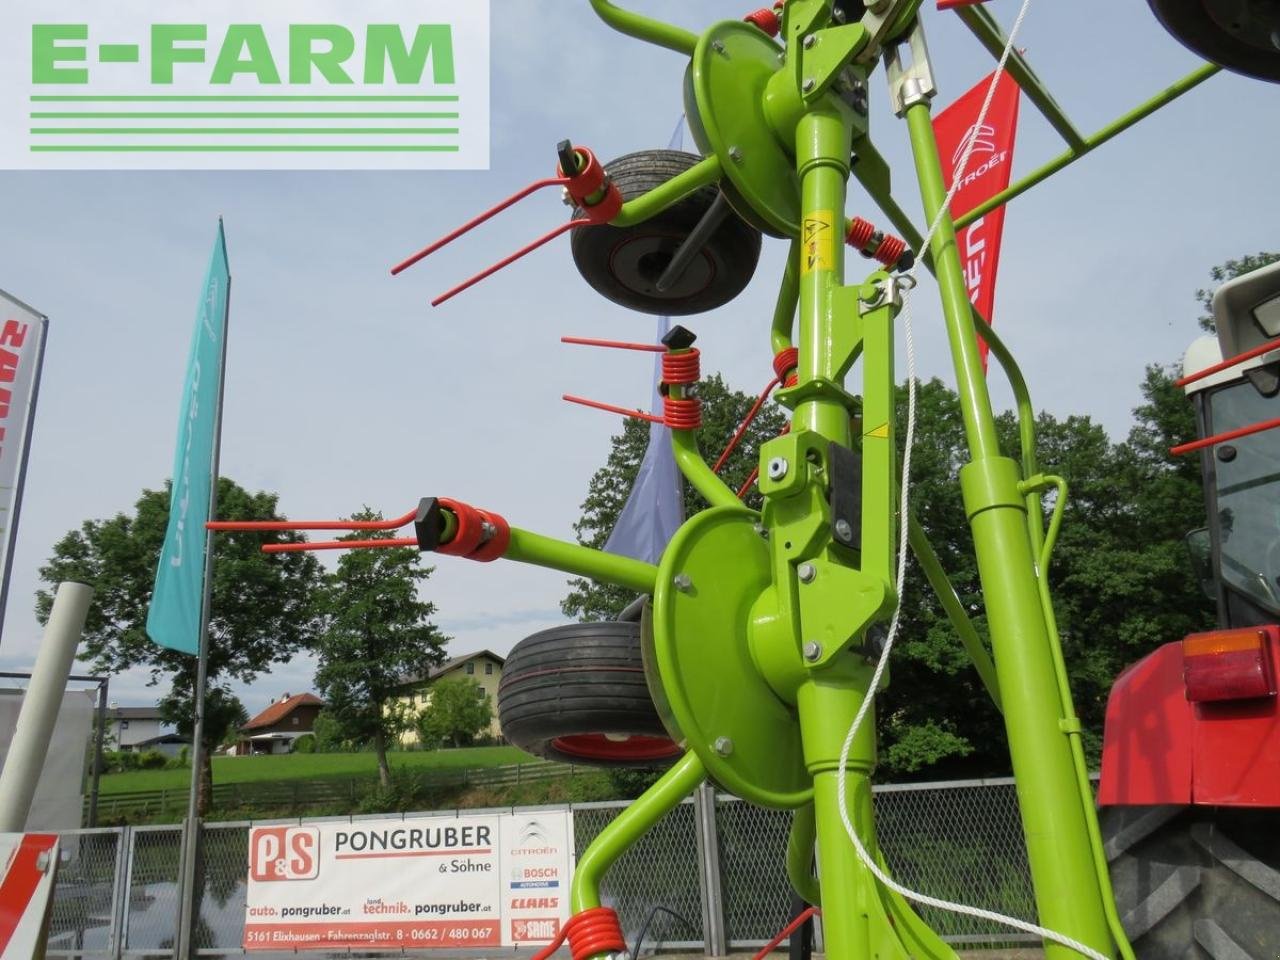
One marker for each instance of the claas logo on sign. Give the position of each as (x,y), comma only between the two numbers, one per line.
(284,853)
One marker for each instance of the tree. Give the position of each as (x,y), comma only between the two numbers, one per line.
(377,635)
(1229,271)
(723,409)
(224,714)
(457,712)
(262,611)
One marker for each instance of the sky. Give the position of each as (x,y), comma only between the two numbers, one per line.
(345,388)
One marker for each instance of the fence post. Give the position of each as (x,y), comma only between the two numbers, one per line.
(128,839)
(704,809)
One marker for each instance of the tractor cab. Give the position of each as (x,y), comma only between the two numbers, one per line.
(1238,404)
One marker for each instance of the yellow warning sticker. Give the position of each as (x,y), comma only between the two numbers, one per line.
(881,432)
(817,242)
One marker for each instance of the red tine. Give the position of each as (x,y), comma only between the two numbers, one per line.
(507,261)
(615,344)
(339,545)
(232,525)
(472,224)
(610,408)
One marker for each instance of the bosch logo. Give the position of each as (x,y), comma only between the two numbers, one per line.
(284,853)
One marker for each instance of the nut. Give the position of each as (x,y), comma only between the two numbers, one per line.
(812,650)
(844,531)
(723,746)
(682,582)
(778,467)
(806,572)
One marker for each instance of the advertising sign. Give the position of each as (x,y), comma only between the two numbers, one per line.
(241,84)
(22,334)
(483,881)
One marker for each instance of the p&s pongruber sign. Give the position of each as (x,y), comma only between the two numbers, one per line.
(425,882)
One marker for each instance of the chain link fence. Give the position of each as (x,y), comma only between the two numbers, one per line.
(710,872)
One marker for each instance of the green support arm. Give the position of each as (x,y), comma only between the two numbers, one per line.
(645,28)
(1168,95)
(702,174)
(527,547)
(695,470)
(625,829)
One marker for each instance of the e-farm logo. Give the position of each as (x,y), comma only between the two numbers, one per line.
(236,84)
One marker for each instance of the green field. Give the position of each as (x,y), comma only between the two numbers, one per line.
(310,766)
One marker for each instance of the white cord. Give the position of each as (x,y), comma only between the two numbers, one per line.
(903,507)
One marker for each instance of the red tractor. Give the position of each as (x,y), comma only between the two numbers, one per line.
(1191,754)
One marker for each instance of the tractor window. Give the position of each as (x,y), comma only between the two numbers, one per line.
(1248,482)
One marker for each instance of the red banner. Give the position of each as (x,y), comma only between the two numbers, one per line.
(987,173)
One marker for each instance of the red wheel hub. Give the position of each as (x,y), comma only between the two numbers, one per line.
(597,746)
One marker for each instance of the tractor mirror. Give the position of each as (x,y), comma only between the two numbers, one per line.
(1247,310)
(1200,551)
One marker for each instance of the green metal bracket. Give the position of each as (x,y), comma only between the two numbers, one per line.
(823,56)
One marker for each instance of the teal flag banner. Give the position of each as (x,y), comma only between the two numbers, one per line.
(173,620)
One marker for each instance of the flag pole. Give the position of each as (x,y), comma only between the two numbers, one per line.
(189,859)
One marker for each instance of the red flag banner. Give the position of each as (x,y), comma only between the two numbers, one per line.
(990,164)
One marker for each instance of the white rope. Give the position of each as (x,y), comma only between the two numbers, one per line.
(903,514)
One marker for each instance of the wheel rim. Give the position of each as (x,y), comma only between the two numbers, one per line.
(597,746)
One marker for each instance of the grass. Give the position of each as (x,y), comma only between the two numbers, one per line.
(310,766)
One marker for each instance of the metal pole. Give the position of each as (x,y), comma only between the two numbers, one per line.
(40,706)
(708,841)
(97,751)
(189,861)
(22,471)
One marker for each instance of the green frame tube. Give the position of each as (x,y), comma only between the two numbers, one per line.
(702,174)
(645,28)
(534,548)
(694,469)
(1068,894)
(1072,154)
(625,829)
(954,609)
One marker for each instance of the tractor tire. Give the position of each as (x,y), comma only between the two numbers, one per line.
(1196,882)
(577,694)
(623,264)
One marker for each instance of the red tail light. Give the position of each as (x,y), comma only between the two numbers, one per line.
(1228,664)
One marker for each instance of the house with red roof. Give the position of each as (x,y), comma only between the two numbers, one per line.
(275,728)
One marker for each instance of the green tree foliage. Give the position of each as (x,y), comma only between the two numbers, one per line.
(263,609)
(723,410)
(458,711)
(1229,271)
(378,633)
(224,714)
(329,734)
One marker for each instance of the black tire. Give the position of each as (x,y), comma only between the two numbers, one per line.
(1196,882)
(577,694)
(623,264)
(1236,35)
